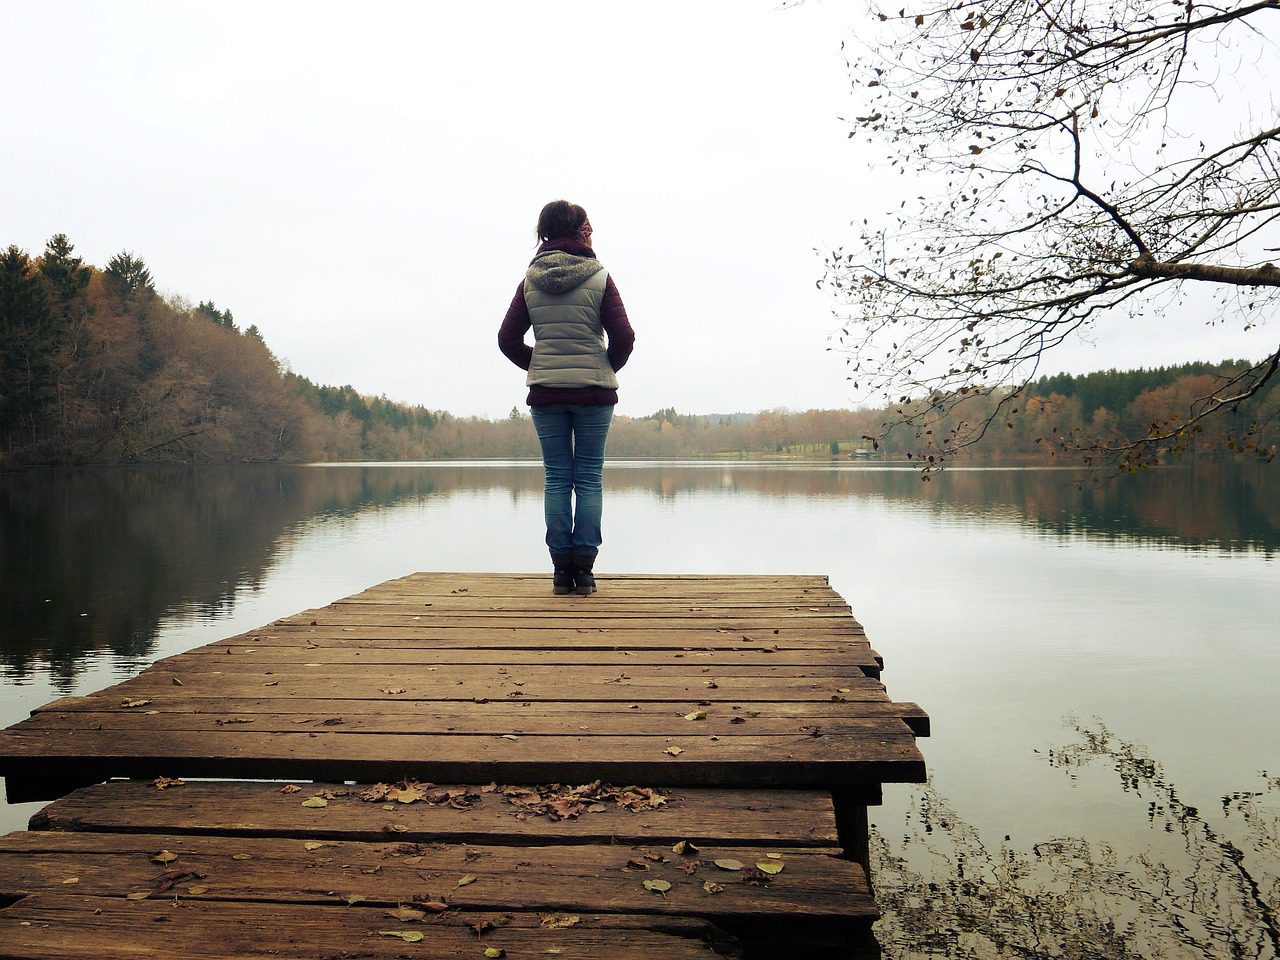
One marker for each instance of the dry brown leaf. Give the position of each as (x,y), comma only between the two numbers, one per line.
(131,704)
(163,783)
(712,887)
(138,895)
(290,788)
(554,922)
(674,751)
(406,914)
(164,856)
(466,880)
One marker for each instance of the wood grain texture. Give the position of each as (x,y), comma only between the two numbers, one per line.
(62,927)
(794,818)
(677,681)
(595,878)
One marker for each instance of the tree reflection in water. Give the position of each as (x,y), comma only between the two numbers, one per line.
(1206,884)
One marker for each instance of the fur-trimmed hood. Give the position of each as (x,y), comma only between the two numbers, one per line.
(556,271)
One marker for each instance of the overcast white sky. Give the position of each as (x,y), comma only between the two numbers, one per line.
(362,181)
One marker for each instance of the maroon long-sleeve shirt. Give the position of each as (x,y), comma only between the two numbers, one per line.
(613,317)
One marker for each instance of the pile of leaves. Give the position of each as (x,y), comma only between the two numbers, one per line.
(554,800)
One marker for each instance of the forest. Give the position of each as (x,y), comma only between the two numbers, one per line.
(97,367)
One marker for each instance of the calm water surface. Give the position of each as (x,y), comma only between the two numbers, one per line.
(1005,601)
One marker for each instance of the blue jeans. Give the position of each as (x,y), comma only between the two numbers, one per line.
(572,436)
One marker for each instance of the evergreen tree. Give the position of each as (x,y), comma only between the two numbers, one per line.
(129,274)
(67,275)
(26,336)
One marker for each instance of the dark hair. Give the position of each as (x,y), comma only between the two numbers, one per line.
(559,219)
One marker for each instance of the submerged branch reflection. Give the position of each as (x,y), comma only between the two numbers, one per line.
(1205,885)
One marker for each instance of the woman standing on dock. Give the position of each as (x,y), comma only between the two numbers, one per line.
(572,304)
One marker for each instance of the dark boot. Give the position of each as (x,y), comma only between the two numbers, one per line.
(584,580)
(562,578)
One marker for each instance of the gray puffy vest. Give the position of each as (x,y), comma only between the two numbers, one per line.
(569,342)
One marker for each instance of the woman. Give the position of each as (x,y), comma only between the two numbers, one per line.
(572,304)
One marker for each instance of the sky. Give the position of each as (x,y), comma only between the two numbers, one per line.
(361,182)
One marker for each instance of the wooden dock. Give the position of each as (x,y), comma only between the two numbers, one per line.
(676,766)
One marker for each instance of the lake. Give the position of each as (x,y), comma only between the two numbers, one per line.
(1100,660)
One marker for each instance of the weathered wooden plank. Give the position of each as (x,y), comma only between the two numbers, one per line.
(575,620)
(743,761)
(591,879)
(398,652)
(550,603)
(409,664)
(711,720)
(427,632)
(481,717)
(439,686)
(62,927)
(790,818)
(789,581)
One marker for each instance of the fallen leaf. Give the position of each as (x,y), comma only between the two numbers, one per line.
(696,715)
(315,802)
(410,793)
(551,921)
(164,856)
(176,682)
(493,952)
(435,906)
(391,690)
(509,736)
(769,866)
(353,898)
(196,890)
(844,690)
(408,936)
(674,751)
(242,856)
(728,863)
(290,788)
(130,704)
(685,848)
(313,844)
(657,886)
(774,856)
(406,914)
(272,683)
(138,895)
(162,783)
(71,880)
(467,880)
(712,887)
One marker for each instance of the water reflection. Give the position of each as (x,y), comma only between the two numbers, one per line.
(96,559)
(1174,881)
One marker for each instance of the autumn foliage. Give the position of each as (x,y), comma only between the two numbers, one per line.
(96,367)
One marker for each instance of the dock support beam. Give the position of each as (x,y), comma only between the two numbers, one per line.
(852,824)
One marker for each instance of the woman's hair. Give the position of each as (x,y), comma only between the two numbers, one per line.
(560,219)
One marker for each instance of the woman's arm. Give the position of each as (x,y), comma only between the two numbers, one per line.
(613,317)
(514,326)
